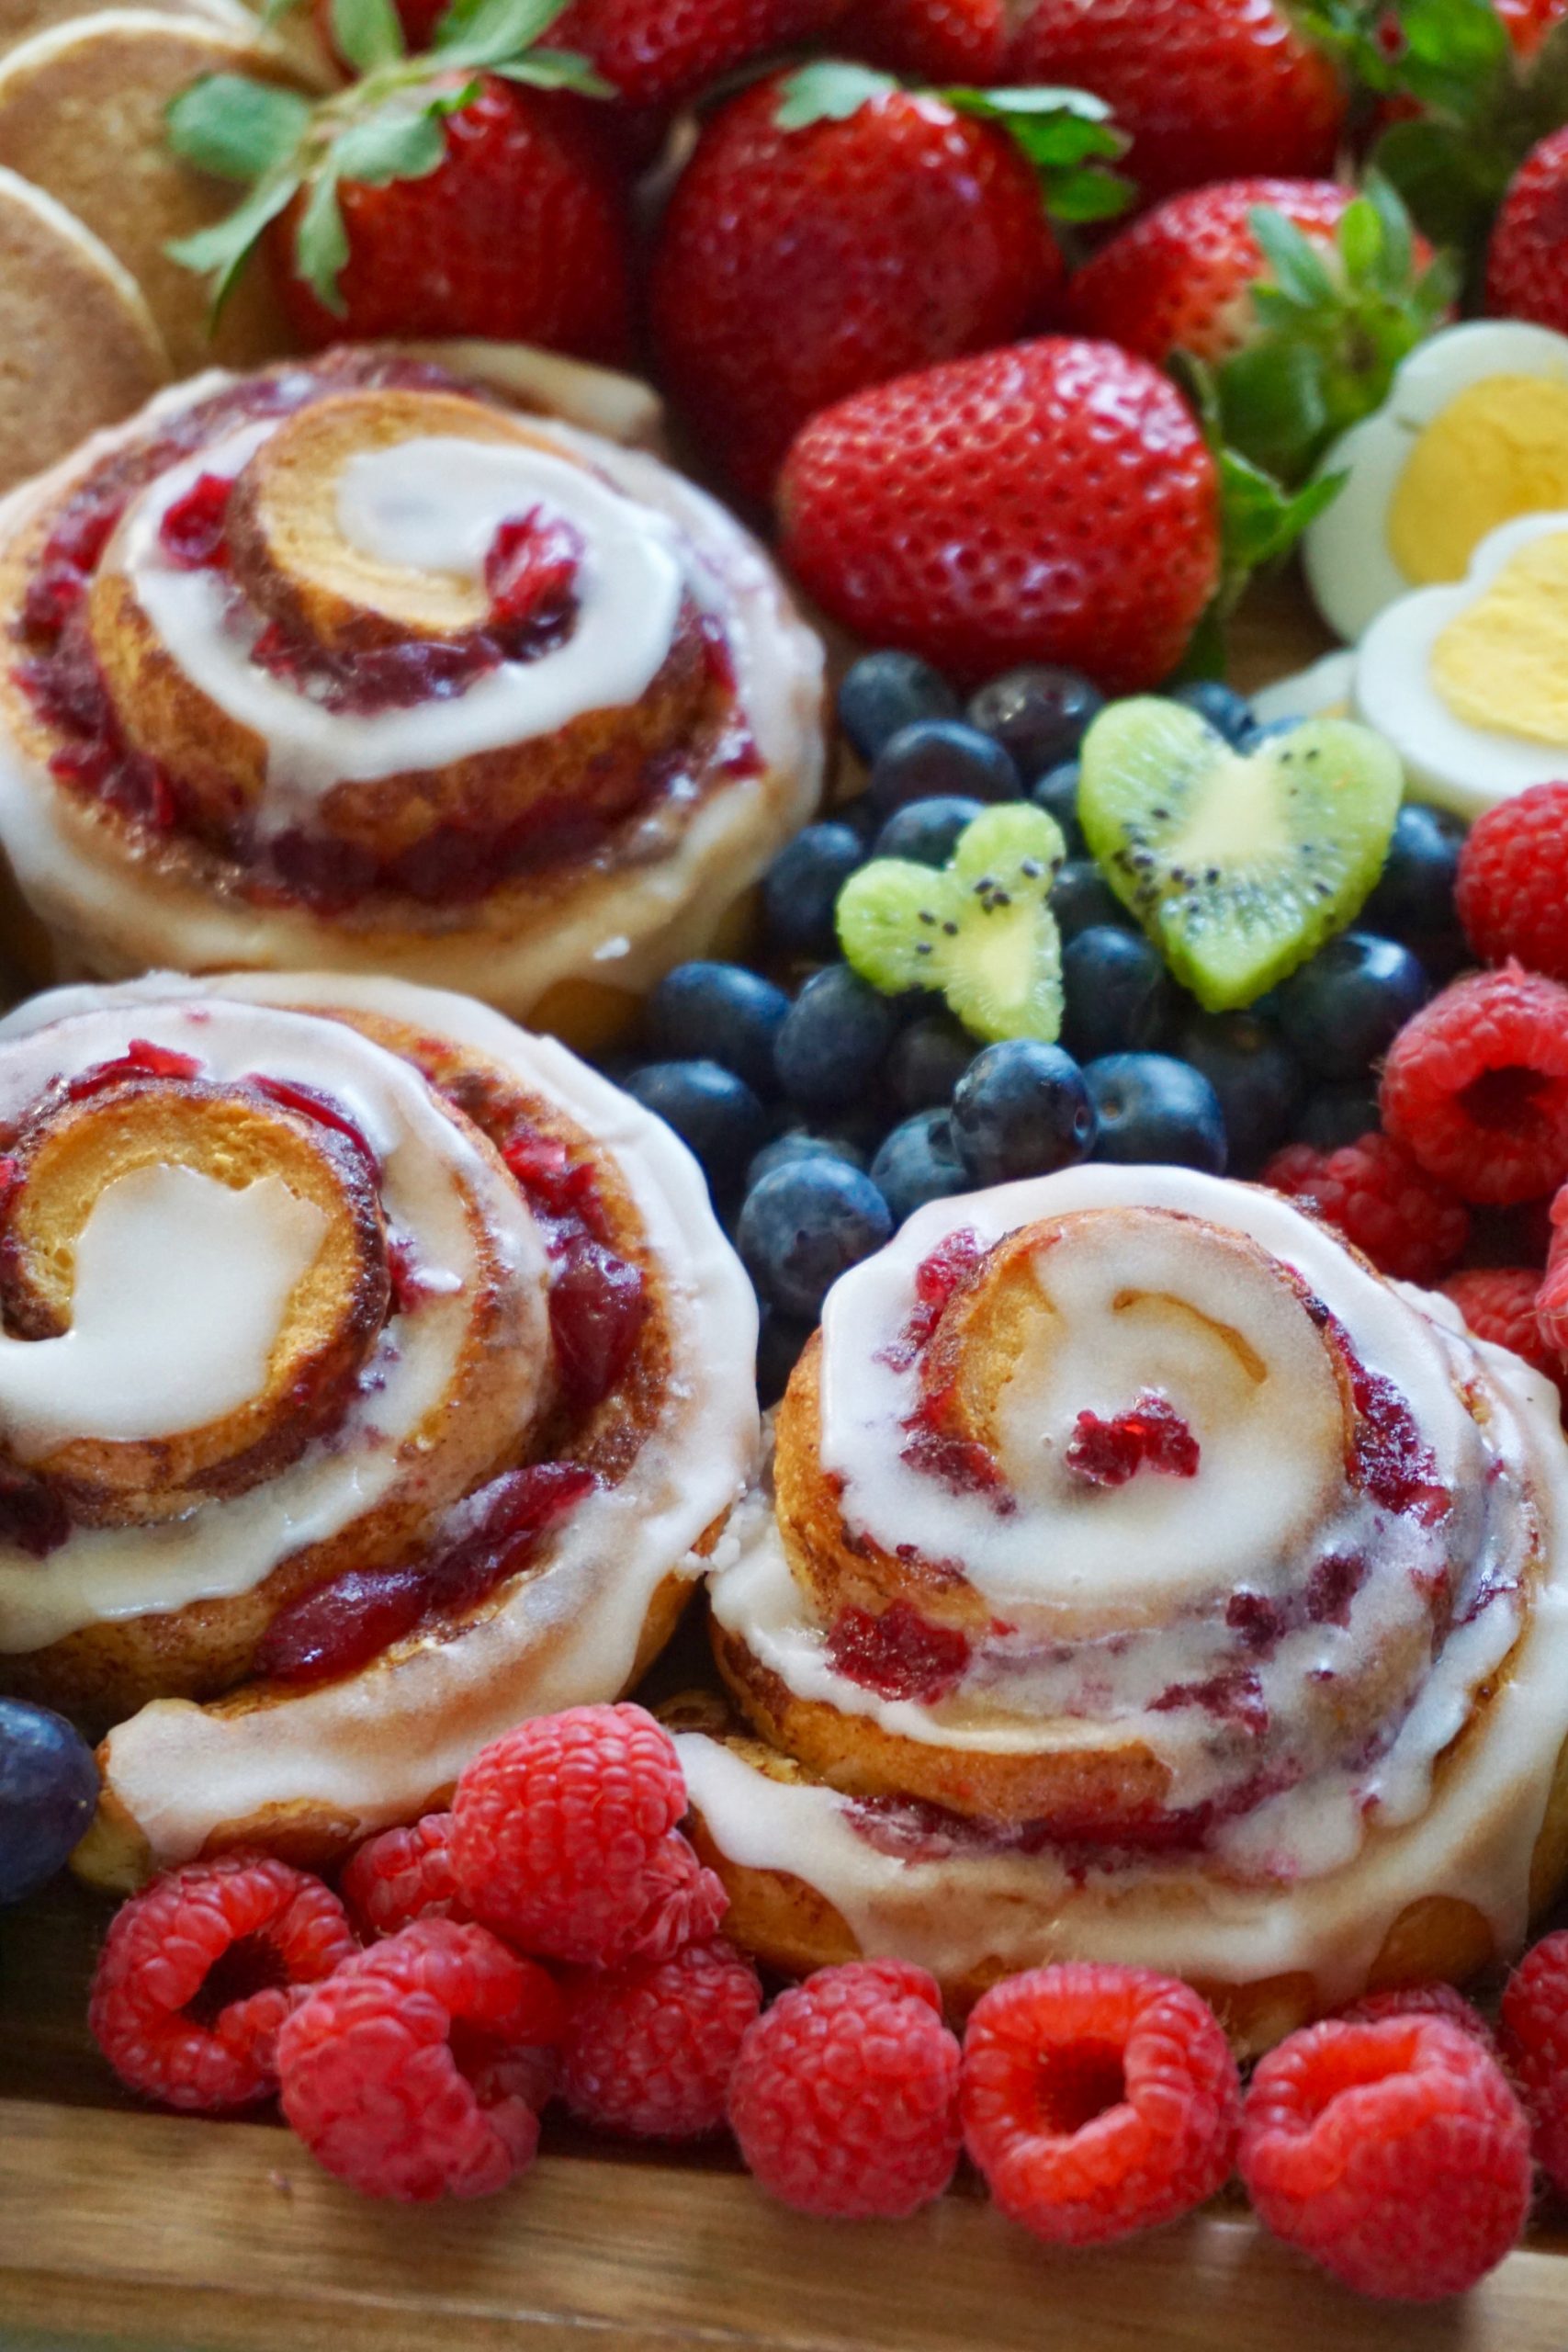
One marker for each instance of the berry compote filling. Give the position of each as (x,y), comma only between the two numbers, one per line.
(598,1299)
(1151,1435)
(531,571)
(32,1513)
(312,1103)
(142,1058)
(898,1654)
(192,531)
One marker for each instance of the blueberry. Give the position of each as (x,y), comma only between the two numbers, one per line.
(919,1163)
(1345,1008)
(935,759)
(1081,898)
(1255,1074)
(1021,1109)
(834,1042)
(1057,793)
(710,1109)
(1153,1107)
(929,1057)
(49,1788)
(801,888)
(780,1339)
(1227,712)
(883,692)
(802,1226)
(1336,1116)
(1118,994)
(1415,892)
(1039,713)
(719,1013)
(799,1143)
(926,830)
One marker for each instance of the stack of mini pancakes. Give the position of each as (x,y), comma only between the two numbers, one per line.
(94,316)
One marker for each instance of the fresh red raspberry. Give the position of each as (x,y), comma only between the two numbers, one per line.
(404,1874)
(1097,2101)
(1476,1085)
(1535,2047)
(1421,2001)
(649,2048)
(1512,890)
(1498,1303)
(1394,2153)
(197,1973)
(1551,1298)
(845,2099)
(564,1841)
(1373,1192)
(410,2073)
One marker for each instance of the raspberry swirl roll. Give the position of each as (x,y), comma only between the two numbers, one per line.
(1144,1577)
(373,1375)
(357,665)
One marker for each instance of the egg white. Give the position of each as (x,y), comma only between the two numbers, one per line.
(1349,565)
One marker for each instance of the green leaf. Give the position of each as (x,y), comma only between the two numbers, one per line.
(239,130)
(221,251)
(829,91)
(1444,181)
(1395,222)
(1299,271)
(390,145)
(320,244)
(557,69)
(1260,521)
(492,32)
(1272,404)
(1359,239)
(1452,49)
(1088,196)
(1053,127)
(367,33)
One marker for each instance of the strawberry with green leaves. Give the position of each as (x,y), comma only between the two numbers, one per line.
(457,193)
(1303,296)
(832,230)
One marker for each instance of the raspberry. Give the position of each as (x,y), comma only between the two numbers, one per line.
(1498,1303)
(1512,889)
(407,2072)
(564,1841)
(197,1973)
(1476,1085)
(1373,1192)
(404,1874)
(649,2048)
(1551,1298)
(1535,2044)
(1394,2153)
(845,2099)
(1421,2001)
(1097,2101)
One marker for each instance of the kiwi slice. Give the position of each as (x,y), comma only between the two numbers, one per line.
(1238,863)
(979,930)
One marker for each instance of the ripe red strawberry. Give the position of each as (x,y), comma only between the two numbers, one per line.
(930,40)
(798,265)
(1055,502)
(658,51)
(432,199)
(1209,89)
(1529,22)
(1527,261)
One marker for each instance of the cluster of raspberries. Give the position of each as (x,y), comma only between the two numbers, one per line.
(554,1935)
(1472,1160)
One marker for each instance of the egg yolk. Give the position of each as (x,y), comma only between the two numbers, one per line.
(1503,663)
(1500,449)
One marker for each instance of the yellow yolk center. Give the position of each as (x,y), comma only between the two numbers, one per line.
(1498,450)
(1503,663)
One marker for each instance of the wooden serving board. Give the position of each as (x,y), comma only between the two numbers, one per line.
(121,2226)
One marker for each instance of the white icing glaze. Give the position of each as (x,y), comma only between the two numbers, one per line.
(1310,1879)
(110,918)
(376,1746)
(181,1284)
(428,1169)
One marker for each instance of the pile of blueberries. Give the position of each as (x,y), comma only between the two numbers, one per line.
(823,1113)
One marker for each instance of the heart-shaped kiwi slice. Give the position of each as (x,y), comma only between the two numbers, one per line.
(1238,863)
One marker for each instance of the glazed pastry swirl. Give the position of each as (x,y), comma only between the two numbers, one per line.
(350,664)
(353,1339)
(1137,1558)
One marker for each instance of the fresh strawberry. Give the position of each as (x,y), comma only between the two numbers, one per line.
(1526,260)
(832,231)
(434,197)
(656,53)
(1303,295)
(1208,89)
(1055,502)
(1528,22)
(930,40)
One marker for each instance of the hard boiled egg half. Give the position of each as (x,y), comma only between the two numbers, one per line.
(1475,432)
(1470,683)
